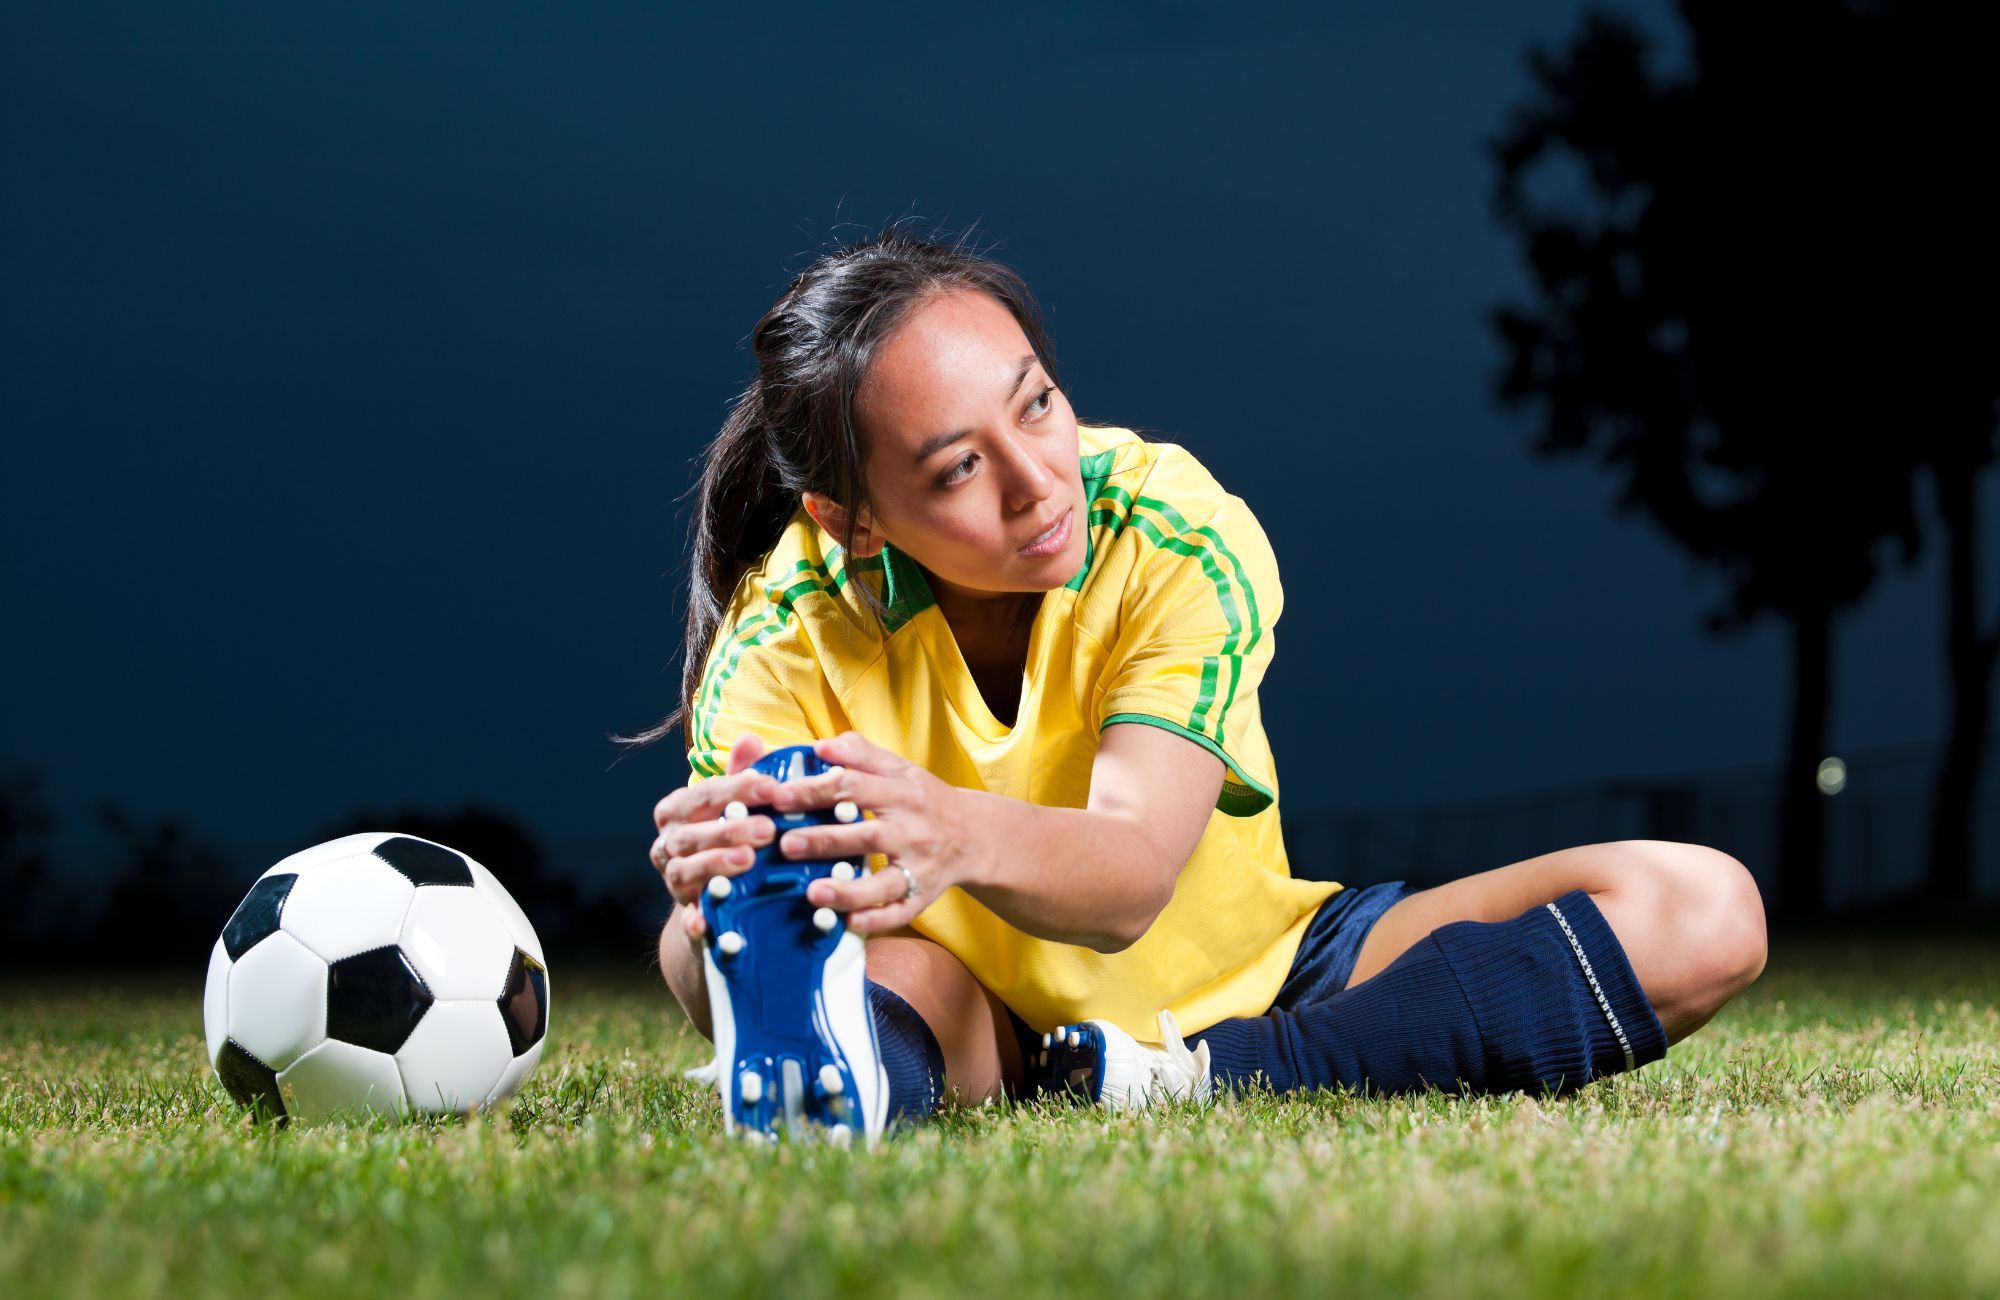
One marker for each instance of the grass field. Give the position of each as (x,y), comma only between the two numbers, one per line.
(1834,1132)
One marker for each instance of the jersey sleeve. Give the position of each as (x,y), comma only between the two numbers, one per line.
(750,685)
(1194,637)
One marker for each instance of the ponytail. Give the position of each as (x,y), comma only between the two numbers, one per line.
(740,513)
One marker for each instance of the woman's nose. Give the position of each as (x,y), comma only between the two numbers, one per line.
(1028,480)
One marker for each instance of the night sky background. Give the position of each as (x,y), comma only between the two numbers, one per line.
(355,359)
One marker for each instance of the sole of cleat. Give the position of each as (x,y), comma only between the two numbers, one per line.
(788,993)
(1071,1064)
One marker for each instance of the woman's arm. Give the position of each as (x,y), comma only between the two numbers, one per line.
(1095,876)
(1100,874)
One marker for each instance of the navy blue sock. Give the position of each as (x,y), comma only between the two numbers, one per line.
(1475,1006)
(910,1055)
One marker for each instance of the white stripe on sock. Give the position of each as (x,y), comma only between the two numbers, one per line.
(1591,975)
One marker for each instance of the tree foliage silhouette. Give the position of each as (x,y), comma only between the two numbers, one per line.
(570,923)
(1754,305)
(169,898)
(27,827)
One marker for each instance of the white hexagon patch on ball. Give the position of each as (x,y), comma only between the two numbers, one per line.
(375,974)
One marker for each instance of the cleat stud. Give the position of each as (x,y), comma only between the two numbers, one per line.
(845,811)
(792,1090)
(1048,1040)
(824,920)
(840,1135)
(731,943)
(830,1081)
(719,886)
(843,871)
(736,809)
(1075,1039)
(751,1087)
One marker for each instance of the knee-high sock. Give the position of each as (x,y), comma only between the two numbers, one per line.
(1495,1006)
(910,1055)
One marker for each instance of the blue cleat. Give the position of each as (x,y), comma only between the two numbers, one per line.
(1069,1064)
(795,1047)
(1099,1064)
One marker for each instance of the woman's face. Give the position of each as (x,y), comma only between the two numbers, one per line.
(971,455)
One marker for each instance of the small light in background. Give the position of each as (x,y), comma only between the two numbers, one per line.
(1832,776)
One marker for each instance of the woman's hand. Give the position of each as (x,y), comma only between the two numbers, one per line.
(694,842)
(917,823)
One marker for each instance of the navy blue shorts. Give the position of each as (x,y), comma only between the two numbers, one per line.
(1326,954)
(1333,940)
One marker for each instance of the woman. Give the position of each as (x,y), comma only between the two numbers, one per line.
(1032,647)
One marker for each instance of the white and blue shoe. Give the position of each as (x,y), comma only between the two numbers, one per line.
(795,1046)
(1097,1062)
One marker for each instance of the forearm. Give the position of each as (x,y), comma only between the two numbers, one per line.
(1072,875)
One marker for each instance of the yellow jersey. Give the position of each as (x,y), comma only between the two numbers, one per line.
(1167,624)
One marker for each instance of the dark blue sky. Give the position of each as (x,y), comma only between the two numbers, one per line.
(352,364)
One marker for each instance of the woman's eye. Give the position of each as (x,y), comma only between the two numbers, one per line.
(951,475)
(1042,402)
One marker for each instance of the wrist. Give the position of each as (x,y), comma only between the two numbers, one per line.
(967,817)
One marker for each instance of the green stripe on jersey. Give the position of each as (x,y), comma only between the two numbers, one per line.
(1226,586)
(752,630)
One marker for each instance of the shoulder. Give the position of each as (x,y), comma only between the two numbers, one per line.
(796,610)
(1157,513)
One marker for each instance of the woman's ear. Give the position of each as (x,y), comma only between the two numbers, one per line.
(832,520)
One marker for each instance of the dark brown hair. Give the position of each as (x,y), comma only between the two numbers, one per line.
(793,430)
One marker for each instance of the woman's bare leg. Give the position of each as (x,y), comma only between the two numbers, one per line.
(1689,918)
(980,1052)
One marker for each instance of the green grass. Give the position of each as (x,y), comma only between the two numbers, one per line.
(1836,1131)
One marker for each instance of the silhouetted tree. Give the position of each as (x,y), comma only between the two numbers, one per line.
(1957,452)
(1753,304)
(563,919)
(168,899)
(27,824)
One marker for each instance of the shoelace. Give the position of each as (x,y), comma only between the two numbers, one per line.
(1177,1072)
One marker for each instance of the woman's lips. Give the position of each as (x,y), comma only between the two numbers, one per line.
(1055,541)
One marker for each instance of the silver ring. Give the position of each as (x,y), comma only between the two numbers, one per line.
(909,876)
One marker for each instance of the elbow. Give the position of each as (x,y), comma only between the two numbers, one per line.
(1132,927)
(1113,943)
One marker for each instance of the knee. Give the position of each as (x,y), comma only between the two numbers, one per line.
(681,969)
(1712,901)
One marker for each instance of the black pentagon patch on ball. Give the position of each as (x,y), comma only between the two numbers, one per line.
(257,915)
(251,1082)
(525,1005)
(374,999)
(424,864)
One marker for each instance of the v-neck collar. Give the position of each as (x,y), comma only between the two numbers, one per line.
(911,601)
(962,690)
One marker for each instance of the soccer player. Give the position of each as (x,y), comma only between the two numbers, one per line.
(1032,649)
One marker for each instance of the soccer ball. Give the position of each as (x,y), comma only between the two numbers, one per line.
(375,972)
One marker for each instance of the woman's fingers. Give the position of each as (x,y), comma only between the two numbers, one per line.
(706,799)
(852,749)
(856,839)
(878,889)
(830,788)
(682,838)
(703,800)
(745,750)
(879,920)
(687,876)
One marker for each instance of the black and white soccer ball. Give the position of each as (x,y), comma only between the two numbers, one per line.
(376,972)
